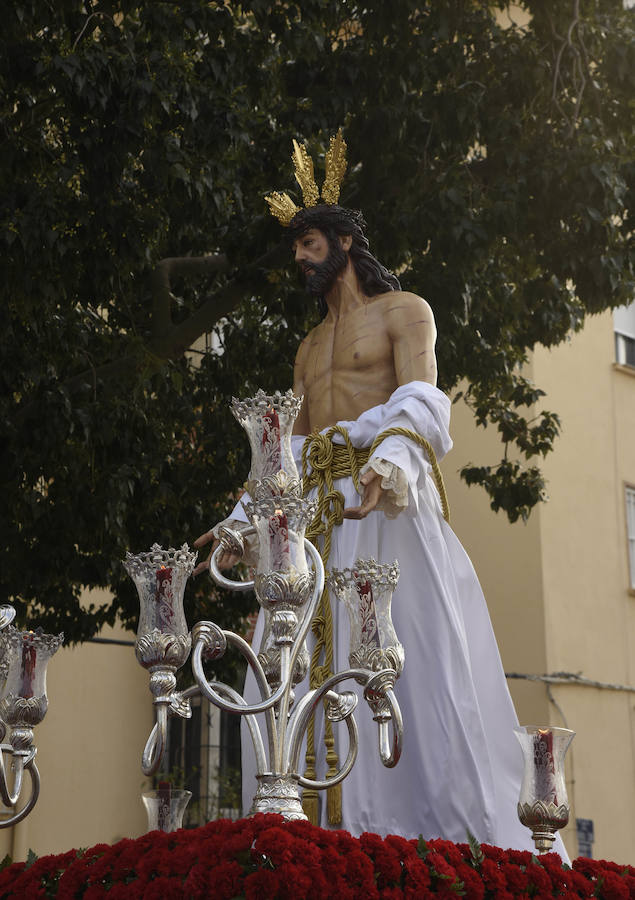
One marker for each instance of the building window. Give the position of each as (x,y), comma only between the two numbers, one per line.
(630,533)
(624,327)
(203,756)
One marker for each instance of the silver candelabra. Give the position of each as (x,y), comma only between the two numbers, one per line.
(288,591)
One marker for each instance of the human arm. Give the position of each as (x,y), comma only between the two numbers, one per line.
(412,331)
(410,325)
(226,559)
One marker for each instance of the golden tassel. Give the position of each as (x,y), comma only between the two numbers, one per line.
(310,803)
(334,793)
(334,804)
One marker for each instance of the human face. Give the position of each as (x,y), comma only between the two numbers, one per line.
(319,260)
(312,247)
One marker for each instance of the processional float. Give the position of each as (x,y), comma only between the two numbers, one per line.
(288,580)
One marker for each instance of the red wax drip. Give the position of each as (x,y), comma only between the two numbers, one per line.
(367,612)
(28,667)
(271,435)
(279,541)
(164,597)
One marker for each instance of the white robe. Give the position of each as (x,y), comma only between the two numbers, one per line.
(461,765)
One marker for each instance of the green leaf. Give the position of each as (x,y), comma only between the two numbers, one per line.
(476,854)
(422,847)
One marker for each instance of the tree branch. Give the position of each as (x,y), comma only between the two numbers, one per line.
(170,341)
(177,265)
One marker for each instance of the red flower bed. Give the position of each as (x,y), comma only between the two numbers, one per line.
(265,858)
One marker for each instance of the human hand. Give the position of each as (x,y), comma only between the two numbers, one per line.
(370,498)
(224,560)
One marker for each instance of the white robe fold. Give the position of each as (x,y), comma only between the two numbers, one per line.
(461,765)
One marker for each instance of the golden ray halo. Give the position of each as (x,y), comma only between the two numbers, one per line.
(282,206)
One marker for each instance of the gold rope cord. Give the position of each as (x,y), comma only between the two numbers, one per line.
(329,462)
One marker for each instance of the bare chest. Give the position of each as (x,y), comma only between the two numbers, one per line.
(355,344)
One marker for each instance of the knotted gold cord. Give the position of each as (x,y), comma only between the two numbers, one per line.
(328,462)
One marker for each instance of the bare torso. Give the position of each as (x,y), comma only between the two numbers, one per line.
(355,359)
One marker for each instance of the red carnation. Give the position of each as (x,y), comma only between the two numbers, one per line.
(495,853)
(261,885)
(94,892)
(516,880)
(613,887)
(519,857)
(472,884)
(492,878)
(164,888)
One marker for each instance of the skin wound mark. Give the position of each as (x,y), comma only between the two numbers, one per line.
(418,322)
(423,352)
(350,344)
(393,308)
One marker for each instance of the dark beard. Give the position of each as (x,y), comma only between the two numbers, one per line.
(325,273)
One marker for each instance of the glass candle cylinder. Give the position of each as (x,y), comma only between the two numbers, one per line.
(23,702)
(160,577)
(165,807)
(366,590)
(282,576)
(543,805)
(268,421)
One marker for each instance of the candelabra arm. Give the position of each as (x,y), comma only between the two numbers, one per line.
(300,717)
(197,667)
(10,798)
(353,746)
(219,578)
(390,752)
(199,632)
(32,769)
(155,745)
(318,587)
(207,636)
(252,724)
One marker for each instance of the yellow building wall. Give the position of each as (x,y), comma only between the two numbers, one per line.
(557,587)
(590,614)
(89,752)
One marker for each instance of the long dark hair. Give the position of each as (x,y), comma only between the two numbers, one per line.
(336,221)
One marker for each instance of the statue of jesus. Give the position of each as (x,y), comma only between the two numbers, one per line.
(370,366)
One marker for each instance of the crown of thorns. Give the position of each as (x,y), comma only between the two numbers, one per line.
(282,206)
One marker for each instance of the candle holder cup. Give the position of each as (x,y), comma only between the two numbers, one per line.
(165,808)
(163,640)
(268,421)
(543,806)
(23,705)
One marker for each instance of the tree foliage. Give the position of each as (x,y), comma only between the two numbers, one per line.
(495,166)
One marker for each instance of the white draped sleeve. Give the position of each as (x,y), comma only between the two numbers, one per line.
(402,463)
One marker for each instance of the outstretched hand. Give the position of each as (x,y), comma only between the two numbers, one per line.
(225,560)
(370,498)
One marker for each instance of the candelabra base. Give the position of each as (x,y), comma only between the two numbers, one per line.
(278,794)
(544,819)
